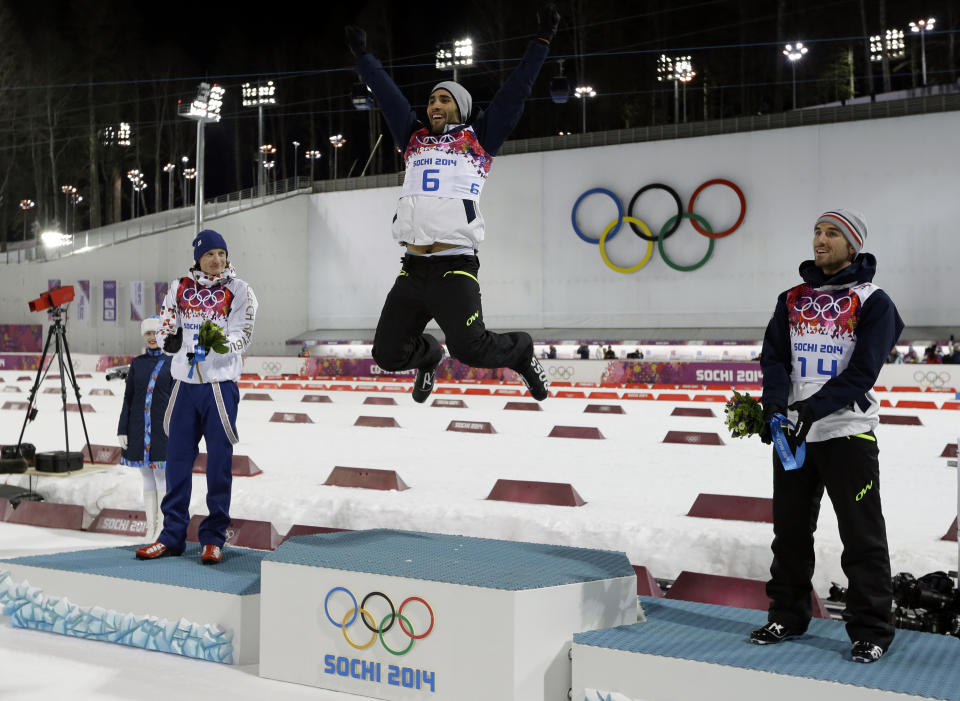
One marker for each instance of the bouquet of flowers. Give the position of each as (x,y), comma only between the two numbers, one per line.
(211,336)
(744,415)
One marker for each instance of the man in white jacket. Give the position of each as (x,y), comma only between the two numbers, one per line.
(215,311)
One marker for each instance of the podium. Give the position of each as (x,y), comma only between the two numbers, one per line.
(403,615)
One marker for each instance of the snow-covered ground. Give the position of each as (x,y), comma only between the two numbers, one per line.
(637,488)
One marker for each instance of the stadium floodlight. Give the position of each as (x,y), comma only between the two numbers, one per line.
(260,95)
(312,155)
(892,43)
(205,108)
(170,169)
(794,52)
(453,55)
(67,190)
(119,135)
(677,69)
(336,142)
(583,93)
(26,205)
(921,27)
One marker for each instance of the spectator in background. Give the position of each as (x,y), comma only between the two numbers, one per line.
(552,354)
(609,354)
(911,356)
(895,356)
(584,351)
(304,351)
(635,355)
(931,355)
(140,429)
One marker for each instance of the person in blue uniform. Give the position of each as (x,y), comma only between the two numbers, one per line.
(140,429)
(206,323)
(822,352)
(438,219)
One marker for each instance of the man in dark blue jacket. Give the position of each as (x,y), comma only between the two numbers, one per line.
(822,353)
(439,223)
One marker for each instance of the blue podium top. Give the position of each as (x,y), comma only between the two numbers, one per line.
(238,573)
(473,562)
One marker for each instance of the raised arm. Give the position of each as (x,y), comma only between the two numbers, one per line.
(495,124)
(401,118)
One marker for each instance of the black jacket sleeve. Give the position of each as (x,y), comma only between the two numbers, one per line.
(775,357)
(494,125)
(401,118)
(127,401)
(878,329)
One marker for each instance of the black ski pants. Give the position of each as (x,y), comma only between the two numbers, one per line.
(849,470)
(445,288)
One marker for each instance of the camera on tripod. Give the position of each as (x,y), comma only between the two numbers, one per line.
(56,297)
(930,603)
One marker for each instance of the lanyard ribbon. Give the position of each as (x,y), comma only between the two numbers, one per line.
(198,356)
(787,457)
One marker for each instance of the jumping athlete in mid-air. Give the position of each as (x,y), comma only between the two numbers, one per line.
(439,222)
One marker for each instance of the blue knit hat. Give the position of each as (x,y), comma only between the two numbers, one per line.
(207,240)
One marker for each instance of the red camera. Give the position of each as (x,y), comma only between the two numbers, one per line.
(56,297)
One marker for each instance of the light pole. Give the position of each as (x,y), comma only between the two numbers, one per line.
(451,55)
(683,69)
(922,26)
(66,190)
(666,70)
(336,142)
(188,174)
(296,148)
(794,52)
(583,93)
(259,95)
(204,108)
(75,199)
(169,169)
(183,169)
(137,184)
(312,156)
(265,150)
(26,206)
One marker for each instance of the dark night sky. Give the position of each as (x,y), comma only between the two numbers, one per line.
(145,54)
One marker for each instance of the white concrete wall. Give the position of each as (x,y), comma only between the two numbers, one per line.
(268,247)
(326,261)
(902,173)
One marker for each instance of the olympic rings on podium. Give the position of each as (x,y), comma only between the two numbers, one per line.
(642,229)
(396,614)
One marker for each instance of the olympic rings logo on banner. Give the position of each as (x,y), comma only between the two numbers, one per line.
(834,306)
(564,373)
(932,378)
(642,229)
(202,297)
(271,367)
(360,611)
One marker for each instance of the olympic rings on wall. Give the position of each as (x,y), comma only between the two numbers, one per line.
(642,229)
(396,614)
(932,378)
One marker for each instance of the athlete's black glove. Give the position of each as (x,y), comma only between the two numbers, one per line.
(356,39)
(805,419)
(172,343)
(768,411)
(548,19)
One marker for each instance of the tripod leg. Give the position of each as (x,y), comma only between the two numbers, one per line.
(63,381)
(36,386)
(76,392)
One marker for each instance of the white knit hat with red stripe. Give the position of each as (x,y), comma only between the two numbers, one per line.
(853,225)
